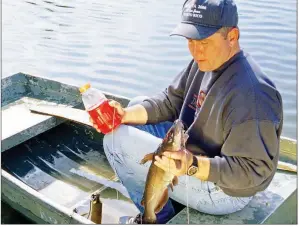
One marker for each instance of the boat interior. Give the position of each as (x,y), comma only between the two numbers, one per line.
(65,163)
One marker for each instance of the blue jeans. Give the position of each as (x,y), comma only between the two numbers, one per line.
(127,145)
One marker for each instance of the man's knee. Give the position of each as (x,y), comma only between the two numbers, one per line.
(112,139)
(107,141)
(137,100)
(232,205)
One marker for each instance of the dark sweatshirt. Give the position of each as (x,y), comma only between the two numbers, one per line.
(235,117)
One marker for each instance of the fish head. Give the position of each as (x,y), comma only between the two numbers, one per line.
(175,138)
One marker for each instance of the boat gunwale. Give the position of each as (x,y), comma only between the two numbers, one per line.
(40,197)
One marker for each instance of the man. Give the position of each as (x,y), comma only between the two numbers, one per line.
(232,110)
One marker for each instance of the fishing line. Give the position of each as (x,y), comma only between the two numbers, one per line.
(187,177)
(113,141)
(187,188)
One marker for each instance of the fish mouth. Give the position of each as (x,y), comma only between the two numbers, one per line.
(174,139)
(180,133)
(178,129)
(178,124)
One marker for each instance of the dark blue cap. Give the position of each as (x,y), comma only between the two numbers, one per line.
(202,18)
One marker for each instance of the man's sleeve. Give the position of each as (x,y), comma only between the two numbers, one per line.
(166,105)
(249,156)
(250,151)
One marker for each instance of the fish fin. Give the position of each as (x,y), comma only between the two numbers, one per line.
(148,157)
(175,180)
(142,202)
(163,201)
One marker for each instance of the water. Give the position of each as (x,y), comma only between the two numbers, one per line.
(124,46)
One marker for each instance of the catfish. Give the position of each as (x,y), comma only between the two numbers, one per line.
(155,194)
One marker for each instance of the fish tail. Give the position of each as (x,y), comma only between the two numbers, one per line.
(149,217)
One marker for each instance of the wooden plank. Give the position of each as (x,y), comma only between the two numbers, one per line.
(287,167)
(20,90)
(76,115)
(19,124)
(288,149)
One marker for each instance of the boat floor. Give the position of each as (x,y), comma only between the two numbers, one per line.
(67,164)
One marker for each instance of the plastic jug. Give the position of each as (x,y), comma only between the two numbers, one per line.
(96,104)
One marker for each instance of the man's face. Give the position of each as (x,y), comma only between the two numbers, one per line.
(210,53)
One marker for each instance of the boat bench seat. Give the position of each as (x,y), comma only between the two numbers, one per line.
(276,205)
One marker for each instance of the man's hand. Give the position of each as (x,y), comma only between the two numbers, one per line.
(176,163)
(120,110)
(94,125)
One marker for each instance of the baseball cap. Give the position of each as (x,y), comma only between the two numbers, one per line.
(202,18)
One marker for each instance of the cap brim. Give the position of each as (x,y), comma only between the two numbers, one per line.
(191,31)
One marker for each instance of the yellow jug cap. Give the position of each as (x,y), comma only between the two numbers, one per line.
(84,88)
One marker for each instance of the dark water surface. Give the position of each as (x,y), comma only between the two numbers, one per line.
(124,47)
